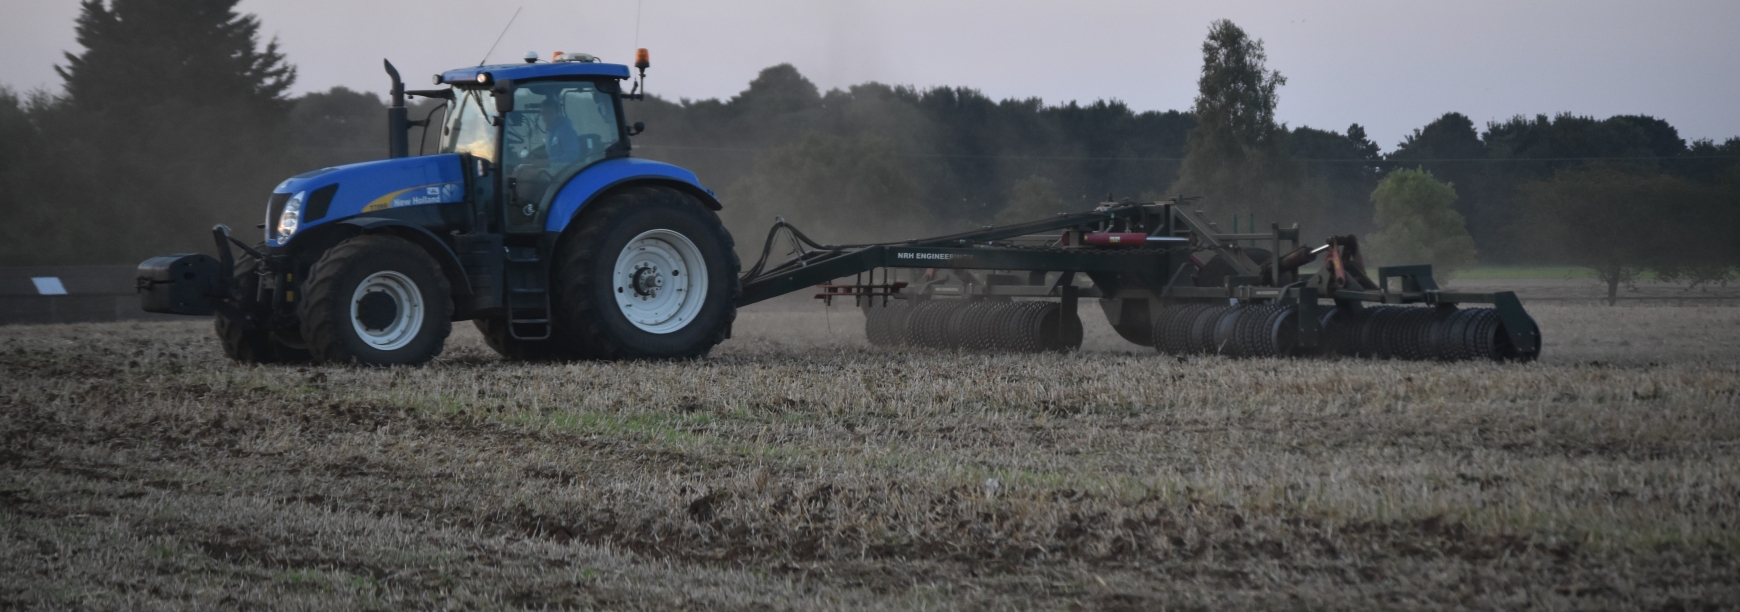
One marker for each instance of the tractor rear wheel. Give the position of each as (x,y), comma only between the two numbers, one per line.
(245,345)
(645,274)
(376,300)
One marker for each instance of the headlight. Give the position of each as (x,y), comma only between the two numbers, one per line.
(292,217)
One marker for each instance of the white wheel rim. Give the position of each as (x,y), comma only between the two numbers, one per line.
(407,320)
(660,281)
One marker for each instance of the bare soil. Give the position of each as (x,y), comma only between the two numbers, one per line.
(800,468)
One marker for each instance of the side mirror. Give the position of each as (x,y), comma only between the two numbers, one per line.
(637,128)
(504,97)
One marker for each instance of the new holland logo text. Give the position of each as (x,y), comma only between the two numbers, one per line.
(905,255)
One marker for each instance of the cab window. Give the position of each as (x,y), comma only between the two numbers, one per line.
(469,130)
(557,126)
(555,129)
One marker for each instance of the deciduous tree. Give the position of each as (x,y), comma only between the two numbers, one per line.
(1620,220)
(1417,222)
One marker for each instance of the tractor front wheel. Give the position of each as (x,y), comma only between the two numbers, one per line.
(245,345)
(376,300)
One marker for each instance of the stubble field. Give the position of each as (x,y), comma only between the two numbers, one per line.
(800,468)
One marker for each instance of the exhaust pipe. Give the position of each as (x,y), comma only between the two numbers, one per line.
(398,125)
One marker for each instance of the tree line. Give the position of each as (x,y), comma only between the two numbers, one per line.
(176,115)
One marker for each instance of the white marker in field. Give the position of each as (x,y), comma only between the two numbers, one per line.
(48,285)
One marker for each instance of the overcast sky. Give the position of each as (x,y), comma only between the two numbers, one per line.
(1390,65)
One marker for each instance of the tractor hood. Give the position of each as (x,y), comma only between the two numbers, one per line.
(331,194)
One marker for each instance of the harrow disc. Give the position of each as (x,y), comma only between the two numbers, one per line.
(955,333)
(1033,327)
(884,325)
(1377,326)
(1455,346)
(1280,332)
(1350,330)
(1386,332)
(1329,331)
(1172,327)
(978,332)
(1182,330)
(994,331)
(1436,339)
(1058,333)
(1256,334)
(924,327)
(1006,328)
(1202,328)
(1222,340)
(1240,342)
(1483,339)
(1408,337)
(979,325)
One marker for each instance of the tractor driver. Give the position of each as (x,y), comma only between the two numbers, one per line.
(561,144)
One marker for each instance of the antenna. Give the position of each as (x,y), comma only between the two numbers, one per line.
(498,37)
(637,5)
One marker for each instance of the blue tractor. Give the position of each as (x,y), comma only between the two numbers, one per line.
(533,220)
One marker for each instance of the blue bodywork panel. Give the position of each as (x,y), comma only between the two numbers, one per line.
(605,174)
(376,185)
(534,71)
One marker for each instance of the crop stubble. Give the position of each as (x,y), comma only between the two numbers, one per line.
(800,468)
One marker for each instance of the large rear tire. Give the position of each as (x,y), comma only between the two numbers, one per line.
(645,274)
(376,300)
(244,345)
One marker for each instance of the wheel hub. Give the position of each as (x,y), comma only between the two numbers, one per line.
(647,281)
(376,310)
(660,281)
(387,310)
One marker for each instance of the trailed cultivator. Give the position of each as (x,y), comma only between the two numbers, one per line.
(1163,277)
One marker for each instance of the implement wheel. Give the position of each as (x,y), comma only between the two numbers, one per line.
(376,300)
(645,274)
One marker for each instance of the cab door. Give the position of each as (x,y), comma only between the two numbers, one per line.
(556,130)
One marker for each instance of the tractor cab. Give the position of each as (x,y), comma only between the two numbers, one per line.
(538,124)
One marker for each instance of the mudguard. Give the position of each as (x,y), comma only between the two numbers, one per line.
(339,192)
(599,178)
(437,249)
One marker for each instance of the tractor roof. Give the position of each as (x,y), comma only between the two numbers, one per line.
(534,71)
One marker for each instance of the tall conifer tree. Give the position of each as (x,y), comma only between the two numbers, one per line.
(173,118)
(1234,157)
